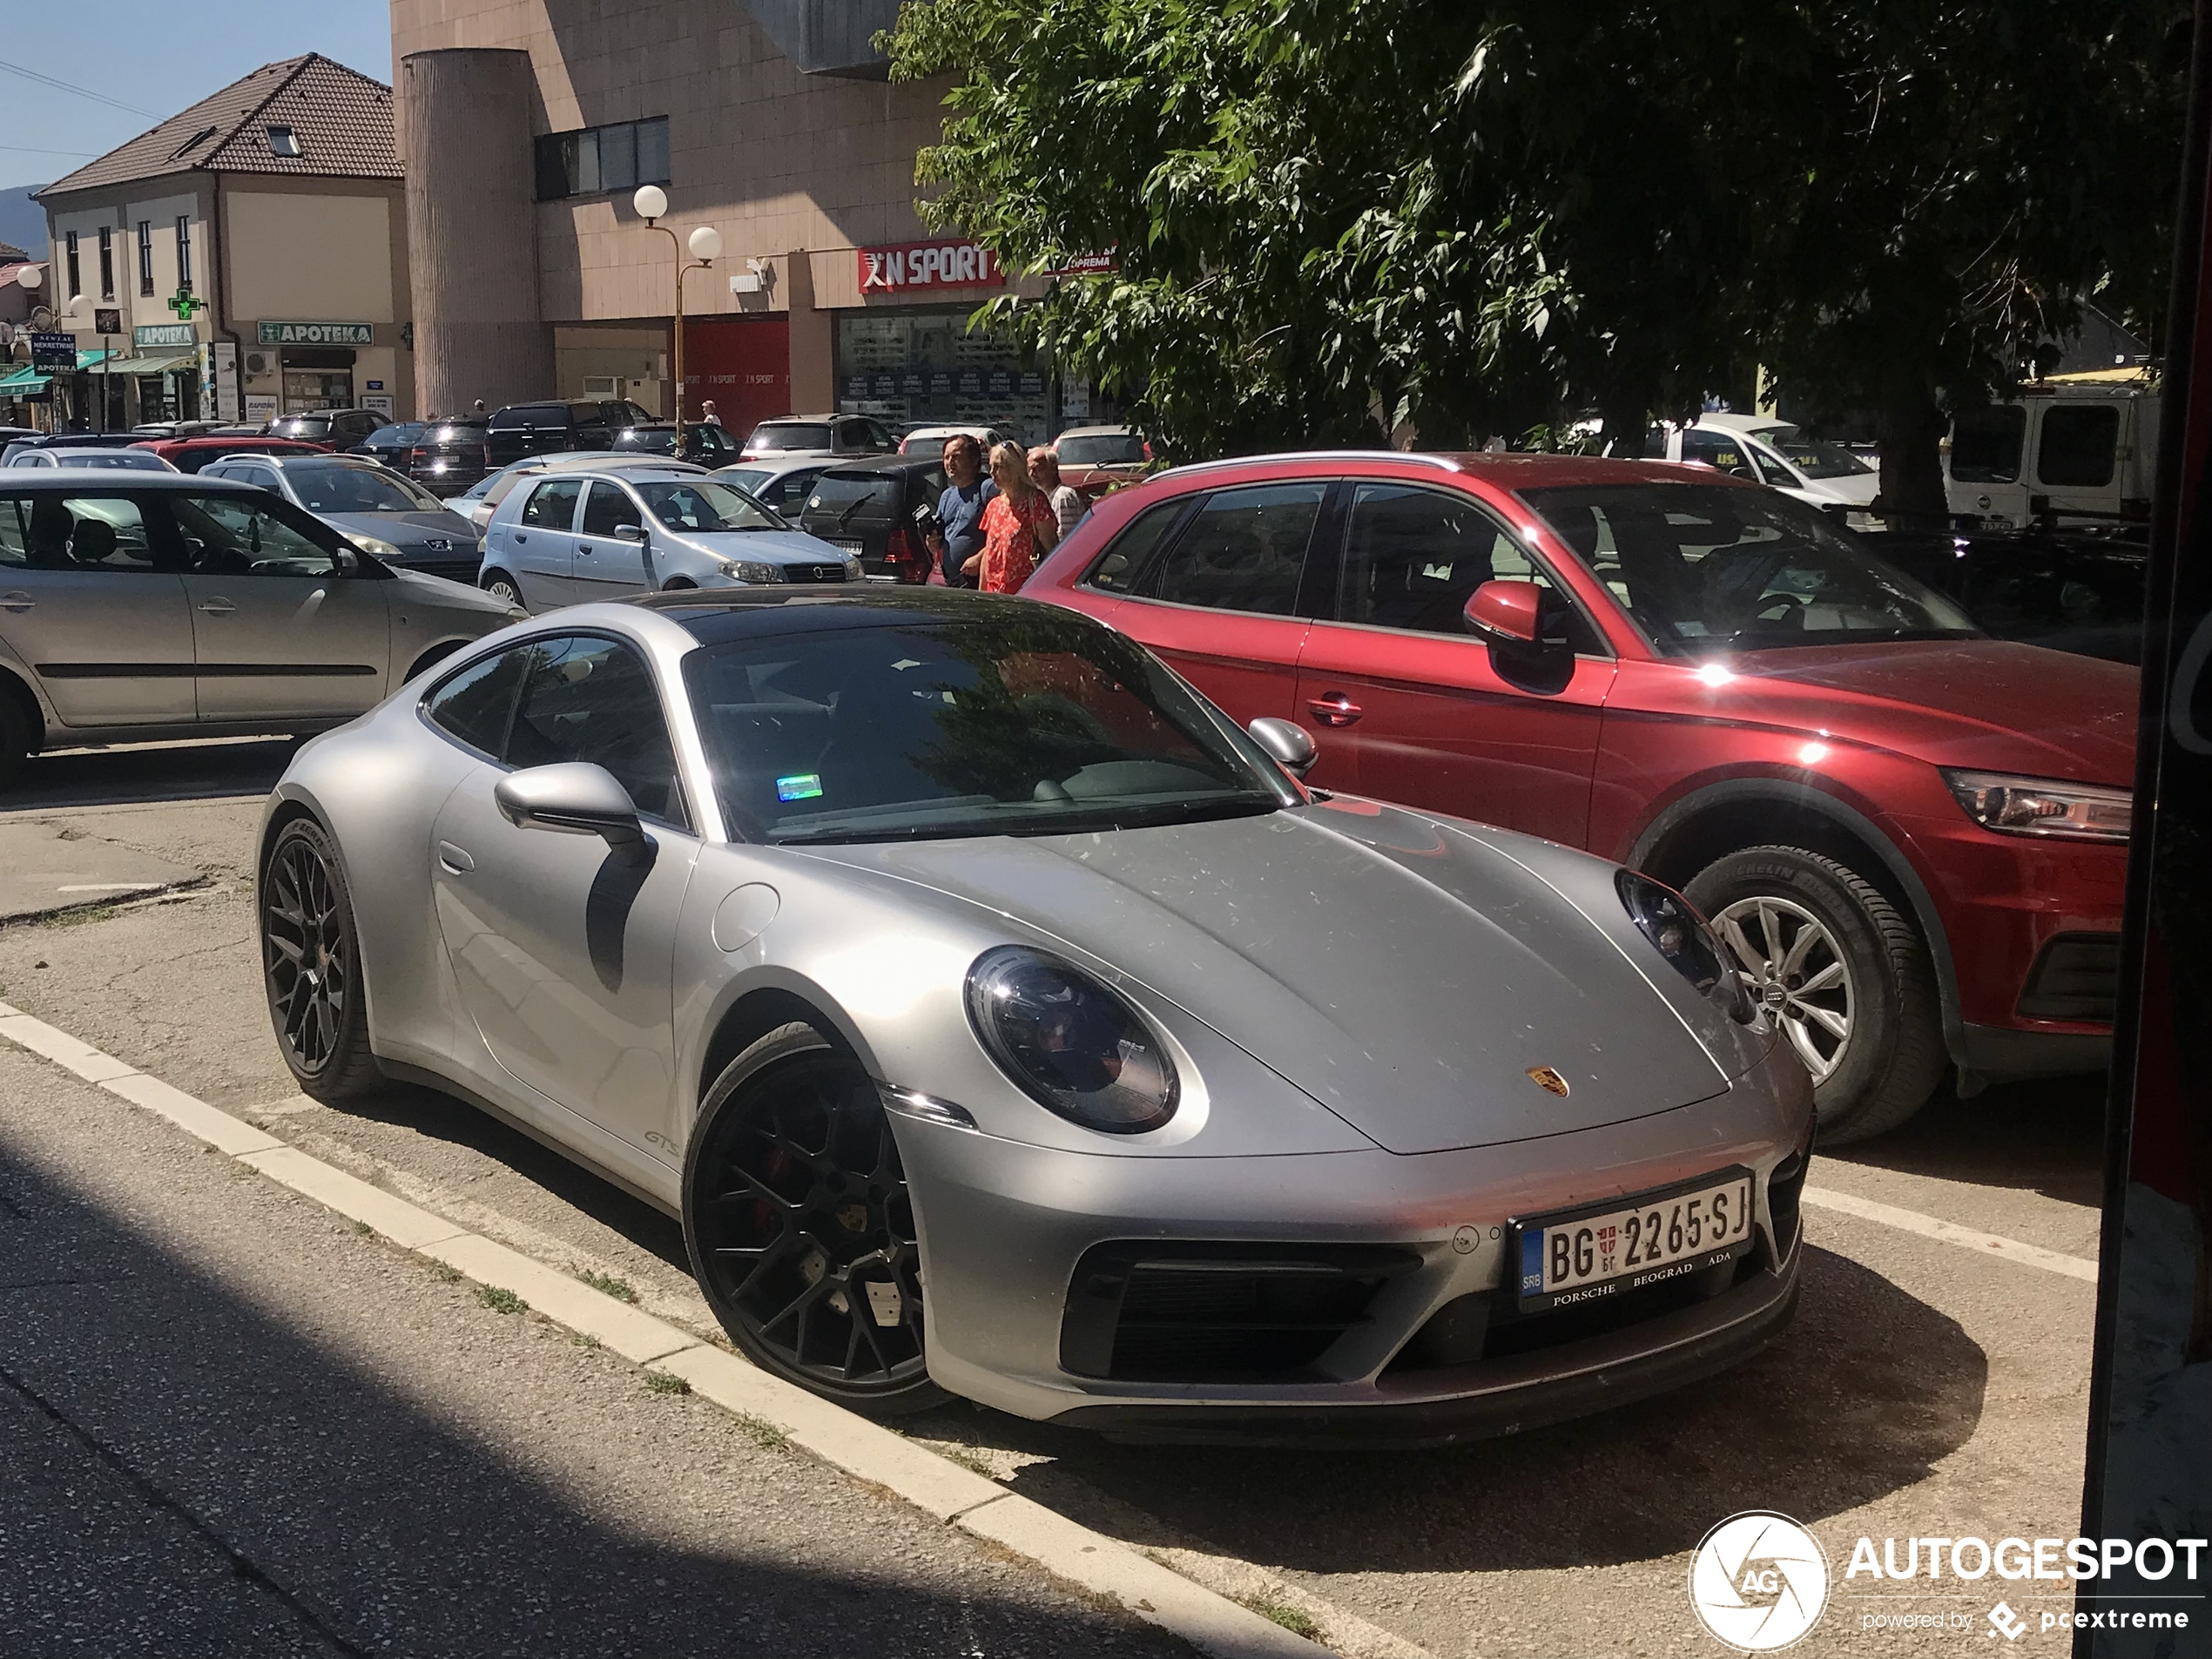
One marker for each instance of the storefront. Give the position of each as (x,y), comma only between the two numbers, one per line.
(316,363)
(166,368)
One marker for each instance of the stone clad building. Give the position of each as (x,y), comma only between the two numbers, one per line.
(526,126)
(277,203)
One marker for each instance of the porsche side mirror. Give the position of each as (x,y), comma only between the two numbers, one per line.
(630,532)
(1289,746)
(571,798)
(1504,612)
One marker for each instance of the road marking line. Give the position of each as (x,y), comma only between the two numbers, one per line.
(1981,1243)
(1209,1622)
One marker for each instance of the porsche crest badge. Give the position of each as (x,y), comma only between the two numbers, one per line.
(1548,1080)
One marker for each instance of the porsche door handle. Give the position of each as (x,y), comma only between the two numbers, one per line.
(1333,708)
(15,602)
(216,607)
(454,861)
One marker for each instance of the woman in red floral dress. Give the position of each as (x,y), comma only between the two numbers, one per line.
(1018,526)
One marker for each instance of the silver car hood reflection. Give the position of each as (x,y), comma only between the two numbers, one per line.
(1406,975)
(406,529)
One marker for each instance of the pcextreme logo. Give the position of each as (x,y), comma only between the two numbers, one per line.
(1759,1581)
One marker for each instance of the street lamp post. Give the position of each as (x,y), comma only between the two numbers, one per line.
(706,243)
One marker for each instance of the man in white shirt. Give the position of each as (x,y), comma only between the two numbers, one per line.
(1068,504)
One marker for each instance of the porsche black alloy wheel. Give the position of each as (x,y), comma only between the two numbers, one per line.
(311,964)
(801,1227)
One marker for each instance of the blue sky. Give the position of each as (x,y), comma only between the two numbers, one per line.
(157,58)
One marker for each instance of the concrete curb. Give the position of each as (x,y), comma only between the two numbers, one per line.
(868,1451)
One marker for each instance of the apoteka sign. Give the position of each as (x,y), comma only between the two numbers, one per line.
(1759,1581)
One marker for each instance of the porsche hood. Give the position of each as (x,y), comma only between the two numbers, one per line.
(1409,977)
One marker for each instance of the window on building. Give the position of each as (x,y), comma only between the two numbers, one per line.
(107,263)
(184,251)
(283,141)
(594,159)
(76,276)
(145,256)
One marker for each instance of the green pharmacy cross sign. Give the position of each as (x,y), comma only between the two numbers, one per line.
(184,302)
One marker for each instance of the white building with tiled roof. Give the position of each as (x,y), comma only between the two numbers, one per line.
(251,252)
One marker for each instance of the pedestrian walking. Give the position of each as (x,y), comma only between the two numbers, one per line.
(1068,504)
(707,416)
(1019,528)
(959,508)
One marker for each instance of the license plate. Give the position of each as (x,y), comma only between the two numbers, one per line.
(846,547)
(1619,1244)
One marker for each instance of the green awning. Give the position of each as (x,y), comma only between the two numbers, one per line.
(156,363)
(86,359)
(24,380)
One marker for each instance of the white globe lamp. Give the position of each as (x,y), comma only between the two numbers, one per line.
(651,201)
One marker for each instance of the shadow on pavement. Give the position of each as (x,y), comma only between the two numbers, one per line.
(190,1476)
(149,773)
(1861,1397)
(2045,1136)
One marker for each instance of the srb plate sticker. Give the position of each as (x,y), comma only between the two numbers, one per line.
(802,785)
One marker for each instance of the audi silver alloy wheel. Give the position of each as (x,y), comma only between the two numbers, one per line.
(806,1233)
(305,955)
(1792,966)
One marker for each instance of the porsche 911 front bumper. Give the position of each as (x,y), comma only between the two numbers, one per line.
(1349,1295)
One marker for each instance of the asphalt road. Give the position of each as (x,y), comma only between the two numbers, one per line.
(1924,1390)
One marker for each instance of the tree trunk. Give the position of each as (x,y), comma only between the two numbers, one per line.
(1628,419)
(1911,428)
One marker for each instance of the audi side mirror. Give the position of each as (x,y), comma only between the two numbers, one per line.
(572,798)
(1504,612)
(1288,745)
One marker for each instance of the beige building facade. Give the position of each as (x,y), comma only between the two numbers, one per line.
(770,120)
(251,252)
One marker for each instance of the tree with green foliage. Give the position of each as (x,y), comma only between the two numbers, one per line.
(1334,217)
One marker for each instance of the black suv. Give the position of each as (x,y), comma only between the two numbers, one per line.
(338,429)
(880,507)
(522,429)
(447,456)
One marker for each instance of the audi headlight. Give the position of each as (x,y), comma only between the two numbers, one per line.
(753,571)
(2040,806)
(1680,935)
(1071,1044)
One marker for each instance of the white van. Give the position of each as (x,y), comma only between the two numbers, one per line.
(2075,444)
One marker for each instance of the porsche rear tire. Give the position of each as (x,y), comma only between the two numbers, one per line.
(1843,972)
(801,1227)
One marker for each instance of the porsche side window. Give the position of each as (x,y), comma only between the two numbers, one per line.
(1121,567)
(1245,551)
(476,705)
(1412,558)
(592,699)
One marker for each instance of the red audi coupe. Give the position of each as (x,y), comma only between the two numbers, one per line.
(1912,837)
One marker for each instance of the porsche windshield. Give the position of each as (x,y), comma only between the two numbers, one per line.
(923,728)
(1705,566)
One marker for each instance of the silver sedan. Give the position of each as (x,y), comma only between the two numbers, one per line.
(1001,1021)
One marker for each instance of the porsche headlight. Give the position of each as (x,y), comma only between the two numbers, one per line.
(1680,935)
(1073,1046)
(753,572)
(2040,807)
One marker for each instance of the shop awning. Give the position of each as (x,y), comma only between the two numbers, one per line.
(24,380)
(156,363)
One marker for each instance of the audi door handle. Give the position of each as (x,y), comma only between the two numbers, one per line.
(454,861)
(15,602)
(1333,708)
(218,607)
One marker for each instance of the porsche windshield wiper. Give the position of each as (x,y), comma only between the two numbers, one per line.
(1090,819)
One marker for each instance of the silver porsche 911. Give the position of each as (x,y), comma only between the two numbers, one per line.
(1001,1020)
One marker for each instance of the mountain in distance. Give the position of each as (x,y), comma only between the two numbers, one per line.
(23,221)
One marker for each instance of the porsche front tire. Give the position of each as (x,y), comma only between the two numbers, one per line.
(311,966)
(801,1227)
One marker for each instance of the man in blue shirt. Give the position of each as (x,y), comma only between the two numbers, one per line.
(960,509)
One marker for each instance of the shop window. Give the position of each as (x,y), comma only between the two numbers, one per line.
(928,369)
(592,160)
